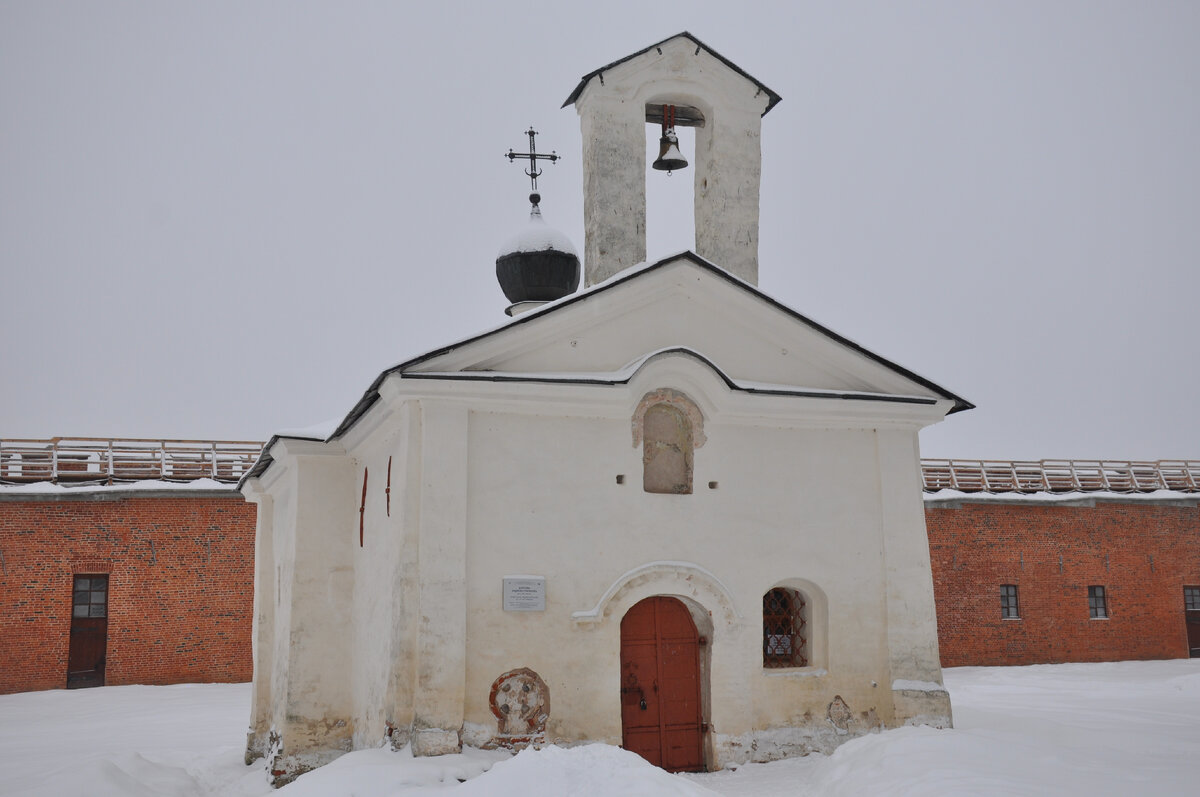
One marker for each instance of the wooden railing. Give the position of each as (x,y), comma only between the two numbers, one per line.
(1060,475)
(92,460)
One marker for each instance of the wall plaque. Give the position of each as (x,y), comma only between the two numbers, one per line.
(524,593)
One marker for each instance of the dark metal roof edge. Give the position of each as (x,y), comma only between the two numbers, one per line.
(960,403)
(489,376)
(265,459)
(371,395)
(264,462)
(774,98)
(847,396)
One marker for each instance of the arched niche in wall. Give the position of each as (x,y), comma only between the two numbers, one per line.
(669,427)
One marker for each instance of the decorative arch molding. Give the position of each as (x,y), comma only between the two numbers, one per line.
(673,398)
(683,579)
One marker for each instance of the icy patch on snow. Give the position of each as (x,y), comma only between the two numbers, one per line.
(383,771)
(127,775)
(128,740)
(591,770)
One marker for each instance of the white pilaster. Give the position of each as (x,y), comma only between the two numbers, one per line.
(441,664)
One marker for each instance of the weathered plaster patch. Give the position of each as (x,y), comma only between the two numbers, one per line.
(917,686)
(773,744)
(476,734)
(436,741)
(809,734)
(397,736)
(306,745)
(839,715)
(923,707)
(258,745)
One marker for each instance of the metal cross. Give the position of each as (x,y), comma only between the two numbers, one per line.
(533,157)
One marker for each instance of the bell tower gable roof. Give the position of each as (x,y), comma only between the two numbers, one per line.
(598,74)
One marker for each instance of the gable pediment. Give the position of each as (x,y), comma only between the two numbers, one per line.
(648,55)
(681,303)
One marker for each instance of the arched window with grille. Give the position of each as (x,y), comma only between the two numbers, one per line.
(785,635)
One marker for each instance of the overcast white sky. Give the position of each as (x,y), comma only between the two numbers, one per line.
(220,219)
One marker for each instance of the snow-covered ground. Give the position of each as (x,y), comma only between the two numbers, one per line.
(1127,728)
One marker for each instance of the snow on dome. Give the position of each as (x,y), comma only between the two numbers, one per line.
(537,237)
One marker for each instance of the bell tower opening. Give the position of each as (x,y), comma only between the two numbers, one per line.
(671,194)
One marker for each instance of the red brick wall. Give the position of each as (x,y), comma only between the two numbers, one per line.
(181,585)
(181,582)
(1142,552)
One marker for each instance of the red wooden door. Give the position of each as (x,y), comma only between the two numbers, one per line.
(89,632)
(660,685)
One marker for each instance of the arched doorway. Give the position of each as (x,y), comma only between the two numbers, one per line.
(660,685)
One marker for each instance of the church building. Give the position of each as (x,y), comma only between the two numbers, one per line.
(663,511)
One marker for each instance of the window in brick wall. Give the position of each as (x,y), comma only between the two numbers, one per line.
(1097,603)
(1191,614)
(91,596)
(784,621)
(1009,609)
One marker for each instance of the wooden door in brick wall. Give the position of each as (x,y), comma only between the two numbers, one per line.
(1191,613)
(660,685)
(89,632)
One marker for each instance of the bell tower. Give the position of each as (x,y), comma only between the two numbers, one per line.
(693,86)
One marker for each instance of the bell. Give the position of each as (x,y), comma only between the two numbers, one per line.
(669,156)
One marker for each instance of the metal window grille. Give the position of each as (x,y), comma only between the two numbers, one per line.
(1097,602)
(1191,599)
(91,596)
(784,643)
(1009,608)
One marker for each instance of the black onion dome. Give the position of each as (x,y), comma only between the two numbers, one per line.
(539,264)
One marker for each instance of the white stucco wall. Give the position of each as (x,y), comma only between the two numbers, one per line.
(377,602)
(793,504)
(532,469)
